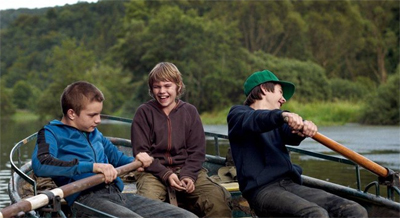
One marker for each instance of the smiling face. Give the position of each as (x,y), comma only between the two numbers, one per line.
(88,119)
(274,99)
(165,93)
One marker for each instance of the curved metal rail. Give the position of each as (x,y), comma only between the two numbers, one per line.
(16,166)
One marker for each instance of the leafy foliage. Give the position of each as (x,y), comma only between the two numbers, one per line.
(326,113)
(196,45)
(7,108)
(309,78)
(383,106)
(346,90)
(329,49)
(22,93)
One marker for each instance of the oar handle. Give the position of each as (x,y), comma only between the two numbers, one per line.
(354,156)
(41,200)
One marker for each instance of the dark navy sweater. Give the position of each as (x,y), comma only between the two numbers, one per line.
(258,140)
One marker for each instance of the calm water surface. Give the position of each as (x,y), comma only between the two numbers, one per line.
(380,144)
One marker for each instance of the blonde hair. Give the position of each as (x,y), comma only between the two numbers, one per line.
(165,71)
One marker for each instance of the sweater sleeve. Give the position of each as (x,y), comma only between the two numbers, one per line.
(45,163)
(115,156)
(195,147)
(141,135)
(243,119)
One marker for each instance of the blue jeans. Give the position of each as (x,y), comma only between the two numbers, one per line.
(286,198)
(111,201)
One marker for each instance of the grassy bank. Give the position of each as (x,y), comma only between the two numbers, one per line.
(321,113)
(24,116)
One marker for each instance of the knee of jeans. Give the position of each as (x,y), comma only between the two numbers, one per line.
(314,211)
(354,210)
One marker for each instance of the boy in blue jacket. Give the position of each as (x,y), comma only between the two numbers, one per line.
(73,149)
(258,134)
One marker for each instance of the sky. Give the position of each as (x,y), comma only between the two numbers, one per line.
(31,4)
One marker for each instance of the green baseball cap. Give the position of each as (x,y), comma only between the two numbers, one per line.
(264,76)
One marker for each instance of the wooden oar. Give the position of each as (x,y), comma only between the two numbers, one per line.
(41,200)
(357,158)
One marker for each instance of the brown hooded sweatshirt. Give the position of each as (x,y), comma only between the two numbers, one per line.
(176,141)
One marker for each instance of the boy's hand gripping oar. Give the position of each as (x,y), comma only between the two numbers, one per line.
(391,177)
(41,200)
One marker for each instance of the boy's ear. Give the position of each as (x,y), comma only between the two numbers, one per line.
(263,90)
(71,114)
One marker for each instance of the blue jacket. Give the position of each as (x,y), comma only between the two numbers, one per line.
(67,154)
(257,139)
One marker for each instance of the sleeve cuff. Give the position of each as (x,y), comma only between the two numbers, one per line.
(86,167)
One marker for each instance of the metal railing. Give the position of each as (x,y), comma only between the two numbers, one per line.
(17,165)
(390,188)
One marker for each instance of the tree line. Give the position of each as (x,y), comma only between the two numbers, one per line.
(332,51)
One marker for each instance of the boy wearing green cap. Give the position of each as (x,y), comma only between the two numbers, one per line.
(258,133)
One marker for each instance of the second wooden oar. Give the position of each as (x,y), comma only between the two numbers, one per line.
(41,200)
(354,156)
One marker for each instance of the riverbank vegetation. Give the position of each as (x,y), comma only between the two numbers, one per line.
(343,56)
(321,113)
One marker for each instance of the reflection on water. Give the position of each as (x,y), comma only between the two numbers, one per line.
(4,178)
(378,143)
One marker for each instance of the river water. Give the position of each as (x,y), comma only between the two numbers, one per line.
(380,144)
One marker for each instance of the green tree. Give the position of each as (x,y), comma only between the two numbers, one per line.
(216,45)
(309,78)
(68,63)
(22,94)
(274,27)
(28,39)
(207,52)
(7,108)
(335,35)
(347,90)
(116,85)
(382,35)
(18,71)
(383,107)
(48,104)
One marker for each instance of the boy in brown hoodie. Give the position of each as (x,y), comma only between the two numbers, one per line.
(171,131)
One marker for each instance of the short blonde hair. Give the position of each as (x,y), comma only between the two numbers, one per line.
(165,71)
